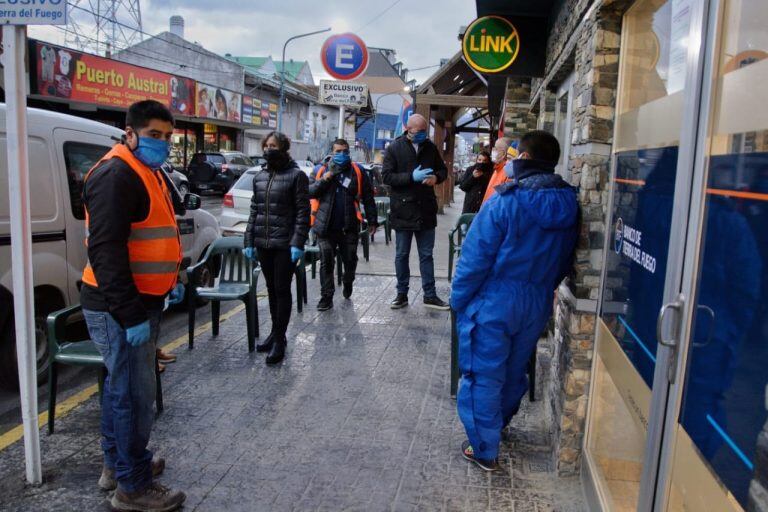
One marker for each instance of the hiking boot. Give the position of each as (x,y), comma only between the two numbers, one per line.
(107,480)
(347,290)
(266,345)
(400,301)
(325,304)
(486,464)
(436,303)
(155,498)
(278,351)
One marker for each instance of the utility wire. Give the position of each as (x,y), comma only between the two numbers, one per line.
(379,15)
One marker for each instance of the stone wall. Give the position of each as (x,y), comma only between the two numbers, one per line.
(518,117)
(758,489)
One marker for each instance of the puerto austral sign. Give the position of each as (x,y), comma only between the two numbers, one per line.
(33,12)
(491,44)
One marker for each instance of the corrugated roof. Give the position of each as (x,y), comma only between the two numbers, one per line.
(251,62)
(292,68)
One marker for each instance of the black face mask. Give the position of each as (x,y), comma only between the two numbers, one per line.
(275,158)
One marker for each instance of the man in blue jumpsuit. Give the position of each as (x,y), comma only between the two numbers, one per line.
(518,249)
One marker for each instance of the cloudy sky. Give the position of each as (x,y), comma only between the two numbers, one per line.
(420,32)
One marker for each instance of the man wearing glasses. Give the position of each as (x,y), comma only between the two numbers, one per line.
(336,193)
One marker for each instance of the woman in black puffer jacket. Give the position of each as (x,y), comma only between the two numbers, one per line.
(277,230)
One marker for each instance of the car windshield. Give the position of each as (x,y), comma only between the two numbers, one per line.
(216,158)
(245,182)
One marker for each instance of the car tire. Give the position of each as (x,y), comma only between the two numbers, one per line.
(183,189)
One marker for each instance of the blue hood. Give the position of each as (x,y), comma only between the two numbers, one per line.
(547,198)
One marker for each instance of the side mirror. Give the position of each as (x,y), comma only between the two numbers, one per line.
(192,202)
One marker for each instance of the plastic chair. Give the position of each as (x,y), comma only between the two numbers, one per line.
(237,280)
(69,343)
(382,211)
(312,256)
(455,238)
(456,373)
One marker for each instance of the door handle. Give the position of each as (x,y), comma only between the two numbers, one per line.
(670,339)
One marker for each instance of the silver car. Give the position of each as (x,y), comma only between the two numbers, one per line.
(237,205)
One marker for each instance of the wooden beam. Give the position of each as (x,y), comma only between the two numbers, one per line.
(449,100)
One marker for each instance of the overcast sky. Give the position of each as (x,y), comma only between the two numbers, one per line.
(420,32)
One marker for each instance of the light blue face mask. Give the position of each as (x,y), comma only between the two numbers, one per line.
(152,152)
(341,158)
(419,137)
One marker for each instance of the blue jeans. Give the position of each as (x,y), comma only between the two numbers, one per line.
(425,242)
(126,405)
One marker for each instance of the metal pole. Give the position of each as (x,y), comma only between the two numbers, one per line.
(14,43)
(341,122)
(282,74)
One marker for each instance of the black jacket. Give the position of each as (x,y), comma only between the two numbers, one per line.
(115,197)
(279,216)
(474,188)
(324,191)
(413,206)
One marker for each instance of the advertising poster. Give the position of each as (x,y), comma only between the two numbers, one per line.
(68,74)
(260,113)
(216,103)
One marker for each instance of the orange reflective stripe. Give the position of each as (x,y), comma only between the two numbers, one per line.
(314,204)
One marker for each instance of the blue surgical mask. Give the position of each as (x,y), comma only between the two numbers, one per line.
(152,152)
(341,159)
(419,137)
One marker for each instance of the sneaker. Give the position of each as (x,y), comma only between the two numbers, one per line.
(155,498)
(107,480)
(436,303)
(400,301)
(325,304)
(486,464)
(347,290)
(165,358)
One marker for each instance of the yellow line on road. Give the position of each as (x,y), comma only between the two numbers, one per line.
(63,408)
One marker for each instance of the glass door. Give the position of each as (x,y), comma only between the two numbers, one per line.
(650,191)
(715,451)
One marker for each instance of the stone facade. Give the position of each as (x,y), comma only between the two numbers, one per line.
(584,41)
(758,488)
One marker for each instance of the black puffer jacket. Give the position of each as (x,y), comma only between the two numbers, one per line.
(279,209)
(475,188)
(413,206)
(325,191)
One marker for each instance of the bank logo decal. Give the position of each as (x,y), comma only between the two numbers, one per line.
(618,236)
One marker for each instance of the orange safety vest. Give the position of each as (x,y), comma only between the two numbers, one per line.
(154,245)
(497,178)
(315,203)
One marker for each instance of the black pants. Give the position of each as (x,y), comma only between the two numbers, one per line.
(277,269)
(346,244)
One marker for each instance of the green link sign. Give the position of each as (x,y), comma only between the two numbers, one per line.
(490,44)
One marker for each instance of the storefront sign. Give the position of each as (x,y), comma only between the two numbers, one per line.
(628,241)
(216,103)
(259,113)
(75,76)
(340,93)
(30,12)
(506,45)
(491,44)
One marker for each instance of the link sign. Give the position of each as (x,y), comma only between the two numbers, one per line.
(491,44)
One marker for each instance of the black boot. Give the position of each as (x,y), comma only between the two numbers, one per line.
(266,345)
(278,351)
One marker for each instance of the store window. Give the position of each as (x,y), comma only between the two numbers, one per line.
(210,138)
(79,158)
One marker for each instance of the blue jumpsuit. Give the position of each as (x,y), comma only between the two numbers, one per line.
(518,249)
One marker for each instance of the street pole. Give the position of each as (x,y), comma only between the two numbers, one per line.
(14,42)
(341,122)
(282,75)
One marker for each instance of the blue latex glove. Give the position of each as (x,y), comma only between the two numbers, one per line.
(250,253)
(138,334)
(420,174)
(296,254)
(177,295)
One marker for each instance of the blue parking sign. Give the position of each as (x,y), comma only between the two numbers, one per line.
(344,56)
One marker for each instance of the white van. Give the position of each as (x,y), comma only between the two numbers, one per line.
(62,149)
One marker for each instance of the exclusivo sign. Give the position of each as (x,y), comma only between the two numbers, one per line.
(343,93)
(33,12)
(490,44)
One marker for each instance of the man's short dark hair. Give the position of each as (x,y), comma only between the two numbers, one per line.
(283,142)
(540,145)
(340,142)
(142,112)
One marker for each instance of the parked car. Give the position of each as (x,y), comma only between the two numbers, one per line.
(62,149)
(258,160)
(180,180)
(374,174)
(216,171)
(306,165)
(237,205)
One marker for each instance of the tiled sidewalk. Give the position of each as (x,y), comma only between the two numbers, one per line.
(358,417)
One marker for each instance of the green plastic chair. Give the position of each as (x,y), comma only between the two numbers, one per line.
(237,280)
(455,239)
(382,211)
(69,344)
(456,373)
